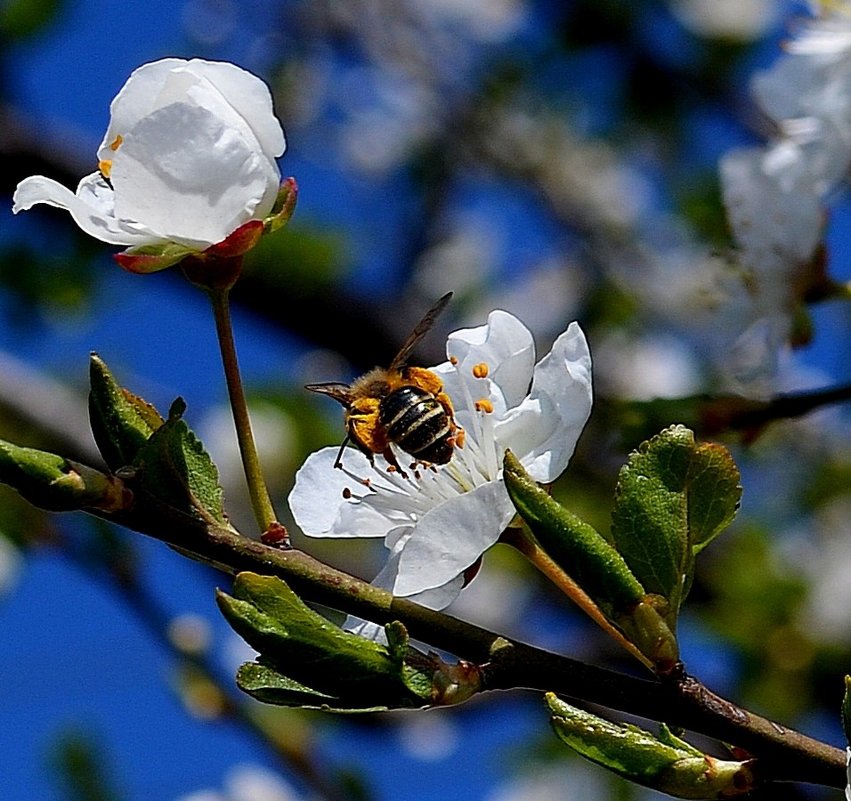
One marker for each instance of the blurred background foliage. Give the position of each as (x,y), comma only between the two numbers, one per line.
(556,159)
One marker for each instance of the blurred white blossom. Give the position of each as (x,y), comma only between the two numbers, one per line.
(11,564)
(274,436)
(777,196)
(428,736)
(739,20)
(248,783)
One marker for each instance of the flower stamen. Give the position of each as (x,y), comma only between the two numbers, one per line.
(480,370)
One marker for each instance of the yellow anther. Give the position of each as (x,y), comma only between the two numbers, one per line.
(453,360)
(480,370)
(484,405)
(105,166)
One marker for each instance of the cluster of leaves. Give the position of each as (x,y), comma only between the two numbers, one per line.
(674,496)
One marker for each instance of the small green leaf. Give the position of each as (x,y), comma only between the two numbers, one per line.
(121,421)
(673,497)
(152,258)
(576,546)
(663,763)
(174,467)
(303,647)
(271,687)
(58,484)
(284,206)
(305,660)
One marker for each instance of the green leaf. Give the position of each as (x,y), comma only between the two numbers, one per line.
(663,763)
(271,687)
(302,652)
(121,421)
(152,258)
(55,483)
(305,660)
(284,206)
(673,497)
(173,466)
(576,546)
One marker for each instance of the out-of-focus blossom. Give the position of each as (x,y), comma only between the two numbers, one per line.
(188,158)
(848,772)
(738,20)
(11,563)
(438,522)
(777,196)
(248,783)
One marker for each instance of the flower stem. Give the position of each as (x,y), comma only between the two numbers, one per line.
(261,503)
(528,546)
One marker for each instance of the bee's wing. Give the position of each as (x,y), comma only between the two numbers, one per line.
(419,332)
(339,392)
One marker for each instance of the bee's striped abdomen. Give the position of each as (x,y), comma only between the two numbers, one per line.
(418,424)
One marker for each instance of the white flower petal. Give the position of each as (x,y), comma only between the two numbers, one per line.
(504,344)
(91,208)
(160,83)
(777,225)
(451,537)
(848,773)
(436,598)
(249,96)
(189,176)
(543,430)
(433,598)
(317,501)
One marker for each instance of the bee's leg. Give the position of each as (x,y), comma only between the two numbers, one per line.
(338,462)
(390,458)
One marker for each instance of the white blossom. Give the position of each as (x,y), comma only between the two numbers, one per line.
(437,522)
(188,157)
(777,195)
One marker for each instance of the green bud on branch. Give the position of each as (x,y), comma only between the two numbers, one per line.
(664,763)
(58,484)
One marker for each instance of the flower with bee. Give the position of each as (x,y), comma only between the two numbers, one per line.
(437,522)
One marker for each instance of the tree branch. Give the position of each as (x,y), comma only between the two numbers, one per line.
(681,701)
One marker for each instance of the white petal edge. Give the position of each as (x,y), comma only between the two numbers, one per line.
(504,344)
(451,537)
(544,429)
(93,221)
(436,598)
(247,94)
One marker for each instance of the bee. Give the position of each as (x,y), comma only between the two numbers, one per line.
(401,405)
